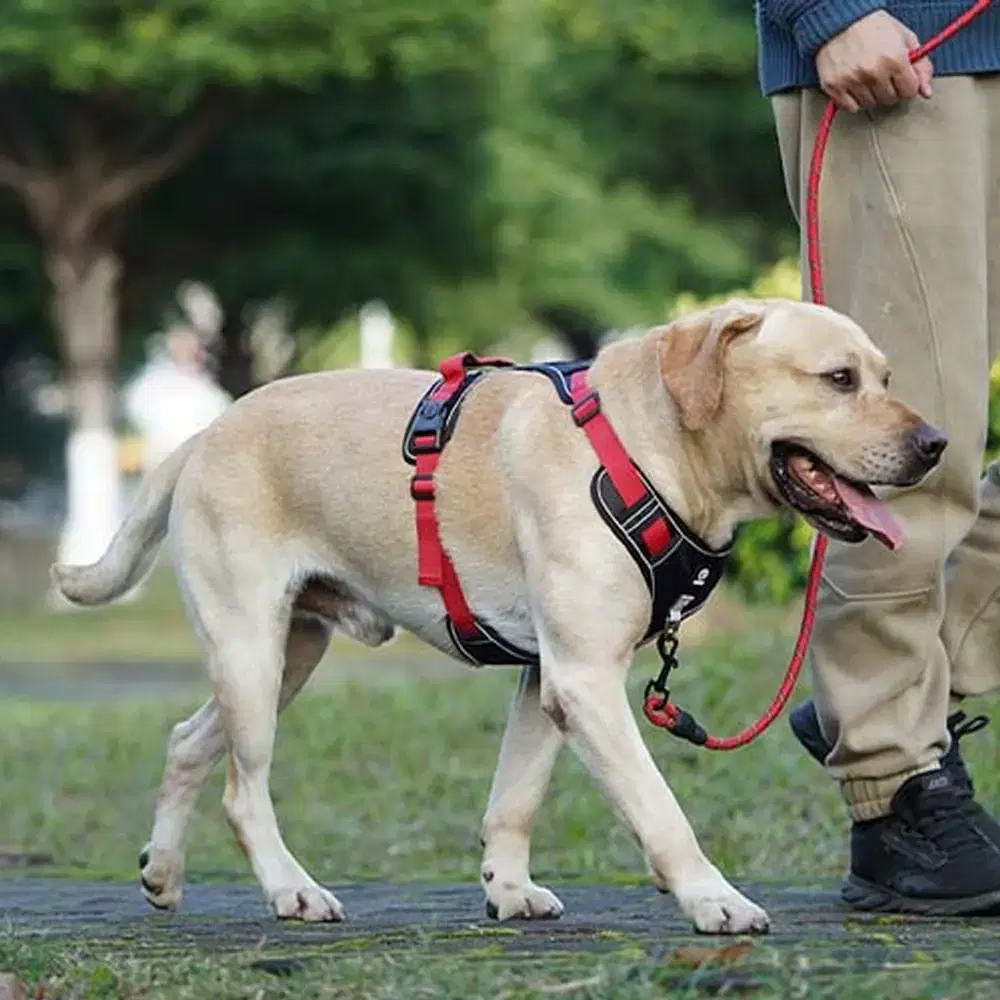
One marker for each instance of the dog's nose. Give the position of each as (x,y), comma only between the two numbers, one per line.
(929,443)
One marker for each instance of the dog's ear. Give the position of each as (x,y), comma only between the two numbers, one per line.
(692,351)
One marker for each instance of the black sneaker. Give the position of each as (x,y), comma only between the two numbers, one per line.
(930,855)
(938,850)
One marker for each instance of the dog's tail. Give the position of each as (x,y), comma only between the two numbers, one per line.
(132,551)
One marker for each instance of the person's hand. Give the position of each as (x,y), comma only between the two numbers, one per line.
(868,64)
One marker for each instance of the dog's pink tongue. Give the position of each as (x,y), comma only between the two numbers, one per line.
(871,513)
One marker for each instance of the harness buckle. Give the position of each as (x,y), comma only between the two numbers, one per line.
(426,428)
(584,410)
(426,443)
(422,487)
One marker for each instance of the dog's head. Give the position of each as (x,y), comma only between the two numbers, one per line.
(804,395)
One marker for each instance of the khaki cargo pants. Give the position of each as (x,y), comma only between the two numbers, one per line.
(910,223)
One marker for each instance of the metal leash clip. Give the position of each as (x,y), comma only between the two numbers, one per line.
(656,698)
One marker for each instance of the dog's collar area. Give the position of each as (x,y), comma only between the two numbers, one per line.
(679,569)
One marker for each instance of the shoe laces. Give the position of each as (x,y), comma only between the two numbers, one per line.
(946,817)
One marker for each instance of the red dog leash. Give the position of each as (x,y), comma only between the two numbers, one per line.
(656,702)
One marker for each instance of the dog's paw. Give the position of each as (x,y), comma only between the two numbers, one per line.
(724,911)
(509,901)
(311,903)
(161,877)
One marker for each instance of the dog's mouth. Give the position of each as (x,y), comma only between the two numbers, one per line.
(836,506)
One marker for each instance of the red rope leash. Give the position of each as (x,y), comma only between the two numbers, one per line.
(656,703)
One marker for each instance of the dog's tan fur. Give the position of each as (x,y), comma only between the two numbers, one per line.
(291,517)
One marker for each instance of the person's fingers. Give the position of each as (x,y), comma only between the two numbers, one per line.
(906,82)
(842,98)
(884,91)
(863,96)
(924,70)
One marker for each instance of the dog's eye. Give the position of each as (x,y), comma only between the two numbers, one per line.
(843,379)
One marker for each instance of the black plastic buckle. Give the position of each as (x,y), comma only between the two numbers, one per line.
(425,431)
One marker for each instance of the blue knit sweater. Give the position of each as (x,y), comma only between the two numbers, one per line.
(789,32)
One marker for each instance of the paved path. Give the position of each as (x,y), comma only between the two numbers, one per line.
(810,921)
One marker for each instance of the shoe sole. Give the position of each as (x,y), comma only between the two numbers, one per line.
(872,898)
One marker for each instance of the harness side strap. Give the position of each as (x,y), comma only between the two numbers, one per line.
(611,453)
(434,567)
(427,452)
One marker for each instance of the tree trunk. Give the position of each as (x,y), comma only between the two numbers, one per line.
(85,307)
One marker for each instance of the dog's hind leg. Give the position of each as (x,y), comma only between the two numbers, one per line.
(528,752)
(247,638)
(195,747)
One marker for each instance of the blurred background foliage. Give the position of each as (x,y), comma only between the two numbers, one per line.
(490,169)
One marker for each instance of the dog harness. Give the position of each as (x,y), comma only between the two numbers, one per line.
(680,570)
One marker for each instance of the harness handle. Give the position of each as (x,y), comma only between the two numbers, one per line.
(455,367)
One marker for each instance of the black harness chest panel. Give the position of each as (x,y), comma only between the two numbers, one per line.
(681,574)
(679,569)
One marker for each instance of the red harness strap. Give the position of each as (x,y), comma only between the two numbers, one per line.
(611,453)
(434,567)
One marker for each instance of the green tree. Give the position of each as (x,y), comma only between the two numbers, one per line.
(635,156)
(366,188)
(101,102)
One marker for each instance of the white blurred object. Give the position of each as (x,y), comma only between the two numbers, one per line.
(203,310)
(272,347)
(550,349)
(377,334)
(174,396)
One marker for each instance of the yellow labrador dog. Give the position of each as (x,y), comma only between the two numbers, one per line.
(291,517)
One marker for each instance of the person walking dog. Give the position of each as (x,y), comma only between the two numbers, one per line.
(910,207)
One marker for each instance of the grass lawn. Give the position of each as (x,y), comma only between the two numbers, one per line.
(422,971)
(151,627)
(383,774)
(382,770)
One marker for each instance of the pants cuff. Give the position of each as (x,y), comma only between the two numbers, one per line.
(871,798)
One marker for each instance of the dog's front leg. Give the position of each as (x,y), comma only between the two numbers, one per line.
(589,702)
(531,743)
